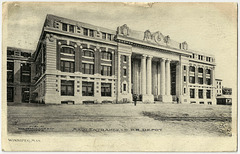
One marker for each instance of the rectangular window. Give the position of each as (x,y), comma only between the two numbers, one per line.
(200,80)
(106,70)
(10,94)
(109,37)
(10,52)
(85,31)
(25,72)
(67,88)
(124,87)
(87,88)
(208,94)
(25,95)
(184,67)
(124,58)
(184,78)
(64,27)
(10,71)
(106,89)
(192,93)
(124,72)
(87,68)
(67,66)
(208,81)
(104,36)
(191,79)
(71,28)
(184,90)
(200,93)
(91,33)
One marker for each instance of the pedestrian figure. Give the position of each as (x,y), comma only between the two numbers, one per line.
(177,100)
(135,99)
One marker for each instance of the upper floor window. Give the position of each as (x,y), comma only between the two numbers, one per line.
(104,36)
(208,81)
(192,69)
(67,66)
(208,71)
(124,72)
(88,53)
(67,88)
(109,37)
(124,58)
(85,31)
(26,72)
(68,50)
(87,68)
(200,70)
(64,27)
(10,52)
(25,54)
(10,71)
(71,28)
(106,55)
(106,70)
(200,80)
(91,33)
(184,67)
(191,79)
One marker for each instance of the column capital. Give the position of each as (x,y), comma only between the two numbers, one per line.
(162,59)
(168,60)
(144,56)
(150,57)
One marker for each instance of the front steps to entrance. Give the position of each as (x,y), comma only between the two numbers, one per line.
(147,98)
(150,98)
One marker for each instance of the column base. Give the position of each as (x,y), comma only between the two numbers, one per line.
(165,98)
(147,98)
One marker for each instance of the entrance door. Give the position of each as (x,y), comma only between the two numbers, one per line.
(25,95)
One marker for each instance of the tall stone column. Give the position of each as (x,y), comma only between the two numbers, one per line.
(168,78)
(149,75)
(143,71)
(162,78)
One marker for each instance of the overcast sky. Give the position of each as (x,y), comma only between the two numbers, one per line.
(207,27)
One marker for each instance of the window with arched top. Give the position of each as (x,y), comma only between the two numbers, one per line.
(88,53)
(67,49)
(106,55)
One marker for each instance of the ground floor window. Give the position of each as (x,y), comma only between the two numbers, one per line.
(192,93)
(106,89)
(25,95)
(67,88)
(10,94)
(208,94)
(87,88)
(200,93)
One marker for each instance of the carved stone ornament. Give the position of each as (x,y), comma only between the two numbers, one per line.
(50,37)
(56,24)
(167,39)
(185,45)
(147,35)
(124,30)
(157,37)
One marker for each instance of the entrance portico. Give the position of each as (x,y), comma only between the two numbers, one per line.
(151,78)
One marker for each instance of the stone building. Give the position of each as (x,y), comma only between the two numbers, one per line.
(78,63)
(218,87)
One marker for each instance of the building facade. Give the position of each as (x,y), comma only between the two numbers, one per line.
(218,87)
(18,75)
(79,63)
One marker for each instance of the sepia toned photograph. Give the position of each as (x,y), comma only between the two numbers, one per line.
(81,76)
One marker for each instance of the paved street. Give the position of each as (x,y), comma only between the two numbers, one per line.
(109,119)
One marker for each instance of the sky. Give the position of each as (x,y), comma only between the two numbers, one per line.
(206,27)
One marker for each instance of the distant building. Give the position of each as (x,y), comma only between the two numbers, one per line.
(79,63)
(18,75)
(218,87)
(226,91)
